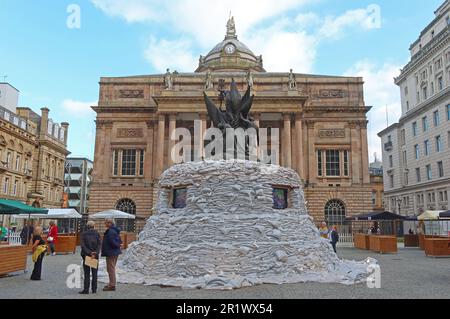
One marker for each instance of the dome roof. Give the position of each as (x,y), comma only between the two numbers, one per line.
(231,55)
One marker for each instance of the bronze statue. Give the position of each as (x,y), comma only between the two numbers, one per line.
(236,115)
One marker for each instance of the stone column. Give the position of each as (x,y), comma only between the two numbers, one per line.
(286,141)
(364,153)
(299,145)
(148,164)
(257,118)
(107,166)
(160,153)
(355,153)
(44,121)
(65,126)
(311,163)
(202,135)
(172,128)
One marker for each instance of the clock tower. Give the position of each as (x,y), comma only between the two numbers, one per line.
(231,55)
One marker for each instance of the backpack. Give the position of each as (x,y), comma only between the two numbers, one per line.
(116,241)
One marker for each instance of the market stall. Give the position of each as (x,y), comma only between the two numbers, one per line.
(122,220)
(434,233)
(377,231)
(67,238)
(13,257)
(411,232)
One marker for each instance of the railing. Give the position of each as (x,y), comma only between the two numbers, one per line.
(346,238)
(388,146)
(14,239)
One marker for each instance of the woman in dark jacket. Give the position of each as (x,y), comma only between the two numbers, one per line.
(90,246)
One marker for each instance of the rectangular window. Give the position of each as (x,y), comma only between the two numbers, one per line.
(179,198)
(429,173)
(425,124)
(391,161)
(141,163)
(441,83)
(427,147)
(406,178)
(319,163)
(438,143)
(6,186)
(346,170)
(405,159)
(441,169)
(374,198)
(417,151)
(129,162)
(16,184)
(418,177)
(333,163)
(425,93)
(8,159)
(448,112)
(115,162)
(402,137)
(391,181)
(414,129)
(436,118)
(280,198)
(18,163)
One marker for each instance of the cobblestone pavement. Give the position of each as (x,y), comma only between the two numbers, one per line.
(408,274)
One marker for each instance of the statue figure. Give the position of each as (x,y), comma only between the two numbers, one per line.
(209,80)
(168,80)
(231,28)
(292,81)
(236,114)
(250,79)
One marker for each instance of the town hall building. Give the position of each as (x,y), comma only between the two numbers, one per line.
(322,126)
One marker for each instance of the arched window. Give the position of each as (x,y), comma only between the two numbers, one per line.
(335,212)
(127,206)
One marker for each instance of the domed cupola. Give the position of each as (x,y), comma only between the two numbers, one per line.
(231,55)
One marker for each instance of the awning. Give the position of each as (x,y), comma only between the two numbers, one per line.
(430,215)
(114,214)
(378,216)
(445,214)
(12,207)
(58,213)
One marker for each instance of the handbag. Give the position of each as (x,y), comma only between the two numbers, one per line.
(50,239)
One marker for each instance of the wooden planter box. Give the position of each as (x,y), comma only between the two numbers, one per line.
(361,241)
(411,240)
(383,244)
(66,244)
(437,247)
(12,258)
(422,241)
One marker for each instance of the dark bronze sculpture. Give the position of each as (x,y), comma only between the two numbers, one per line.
(236,115)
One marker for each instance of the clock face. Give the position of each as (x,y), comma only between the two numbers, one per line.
(230,49)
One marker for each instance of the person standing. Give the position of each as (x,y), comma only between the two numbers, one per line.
(323,230)
(27,233)
(334,238)
(111,250)
(52,237)
(3,233)
(90,246)
(38,249)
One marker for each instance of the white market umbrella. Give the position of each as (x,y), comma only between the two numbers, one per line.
(113,214)
(430,215)
(59,213)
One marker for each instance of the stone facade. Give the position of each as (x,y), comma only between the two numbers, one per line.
(416,150)
(32,154)
(314,114)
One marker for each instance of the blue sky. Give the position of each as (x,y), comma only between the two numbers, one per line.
(58,67)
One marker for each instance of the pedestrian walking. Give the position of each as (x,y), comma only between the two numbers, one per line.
(90,246)
(52,237)
(39,248)
(334,238)
(111,250)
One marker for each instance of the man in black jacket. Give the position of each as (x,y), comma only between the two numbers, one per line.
(334,237)
(90,246)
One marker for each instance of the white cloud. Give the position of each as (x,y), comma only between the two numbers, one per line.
(176,55)
(197,25)
(78,109)
(380,92)
(364,19)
